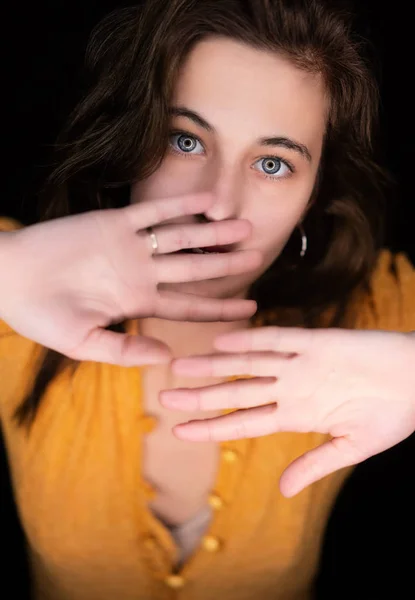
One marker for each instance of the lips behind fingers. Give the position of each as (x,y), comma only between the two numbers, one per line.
(176,268)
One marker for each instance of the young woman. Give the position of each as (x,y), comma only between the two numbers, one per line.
(219,125)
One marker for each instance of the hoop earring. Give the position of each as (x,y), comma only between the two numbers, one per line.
(303,241)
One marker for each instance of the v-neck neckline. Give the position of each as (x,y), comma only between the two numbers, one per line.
(232,458)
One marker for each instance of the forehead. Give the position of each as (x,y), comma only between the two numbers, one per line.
(227,81)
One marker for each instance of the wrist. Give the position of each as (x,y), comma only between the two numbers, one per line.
(7,245)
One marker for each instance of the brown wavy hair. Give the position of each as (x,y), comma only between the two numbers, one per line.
(118,133)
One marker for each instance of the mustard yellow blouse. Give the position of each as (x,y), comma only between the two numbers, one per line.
(83,501)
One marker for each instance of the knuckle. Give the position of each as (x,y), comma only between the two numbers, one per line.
(194,270)
(200,400)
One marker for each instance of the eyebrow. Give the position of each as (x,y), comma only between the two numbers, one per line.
(284,142)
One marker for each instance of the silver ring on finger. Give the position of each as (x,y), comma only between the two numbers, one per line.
(153,239)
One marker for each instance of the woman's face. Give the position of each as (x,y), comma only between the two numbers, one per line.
(248,126)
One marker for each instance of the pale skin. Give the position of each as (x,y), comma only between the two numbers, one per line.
(266,97)
(357,386)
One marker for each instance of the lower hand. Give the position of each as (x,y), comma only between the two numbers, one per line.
(358,386)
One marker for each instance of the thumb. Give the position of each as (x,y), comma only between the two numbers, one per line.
(122,349)
(316,464)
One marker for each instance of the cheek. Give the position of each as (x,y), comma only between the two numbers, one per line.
(277,217)
(274,238)
(172,178)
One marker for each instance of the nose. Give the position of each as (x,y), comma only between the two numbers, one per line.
(225,184)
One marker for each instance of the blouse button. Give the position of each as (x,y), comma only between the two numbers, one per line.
(148,423)
(216,501)
(230,456)
(150,543)
(211,543)
(175,581)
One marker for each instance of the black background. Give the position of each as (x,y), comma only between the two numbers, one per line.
(369,547)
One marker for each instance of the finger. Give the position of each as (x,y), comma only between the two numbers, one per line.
(316,464)
(261,364)
(196,267)
(189,307)
(235,394)
(278,339)
(248,423)
(153,212)
(171,238)
(126,350)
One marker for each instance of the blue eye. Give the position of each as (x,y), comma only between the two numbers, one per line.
(273,167)
(182,142)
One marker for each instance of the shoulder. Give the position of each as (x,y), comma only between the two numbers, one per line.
(389,303)
(19,360)
(393,267)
